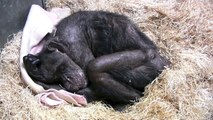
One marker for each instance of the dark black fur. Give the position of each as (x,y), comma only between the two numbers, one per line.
(101,55)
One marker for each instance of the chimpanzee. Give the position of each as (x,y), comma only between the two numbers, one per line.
(98,54)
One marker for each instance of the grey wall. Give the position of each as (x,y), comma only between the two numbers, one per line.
(13,14)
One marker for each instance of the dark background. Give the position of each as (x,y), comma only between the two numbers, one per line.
(13,14)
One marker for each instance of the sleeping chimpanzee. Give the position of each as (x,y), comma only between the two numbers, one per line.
(98,54)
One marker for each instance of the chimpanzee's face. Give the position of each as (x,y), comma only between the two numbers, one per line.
(54,66)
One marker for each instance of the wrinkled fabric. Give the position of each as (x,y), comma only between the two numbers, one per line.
(54,97)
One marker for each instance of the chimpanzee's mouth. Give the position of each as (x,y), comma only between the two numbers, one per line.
(75,83)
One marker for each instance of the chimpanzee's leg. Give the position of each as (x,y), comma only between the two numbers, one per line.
(137,77)
(105,85)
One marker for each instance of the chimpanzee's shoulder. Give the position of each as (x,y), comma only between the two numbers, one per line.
(84,18)
(86,15)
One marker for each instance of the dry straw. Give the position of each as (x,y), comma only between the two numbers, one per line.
(183,30)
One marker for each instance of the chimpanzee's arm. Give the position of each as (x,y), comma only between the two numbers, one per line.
(129,59)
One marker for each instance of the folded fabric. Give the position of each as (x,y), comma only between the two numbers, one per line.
(54,97)
(38,24)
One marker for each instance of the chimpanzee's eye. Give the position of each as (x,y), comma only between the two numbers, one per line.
(51,48)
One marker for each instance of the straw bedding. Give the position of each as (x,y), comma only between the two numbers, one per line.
(183,31)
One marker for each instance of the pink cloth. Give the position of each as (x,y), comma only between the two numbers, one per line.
(54,97)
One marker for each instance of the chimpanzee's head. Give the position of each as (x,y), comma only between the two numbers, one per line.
(53,66)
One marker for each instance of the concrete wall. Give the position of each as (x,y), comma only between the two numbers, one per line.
(13,14)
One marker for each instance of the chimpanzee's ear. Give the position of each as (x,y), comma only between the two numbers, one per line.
(55,45)
(50,46)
